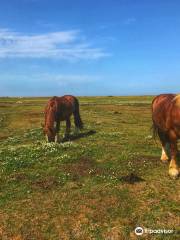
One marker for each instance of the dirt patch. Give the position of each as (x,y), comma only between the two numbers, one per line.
(18,237)
(45,184)
(146,161)
(4,235)
(18,176)
(137,167)
(82,168)
(3,137)
(114,233)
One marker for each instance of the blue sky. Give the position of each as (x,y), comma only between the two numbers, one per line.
(109,47)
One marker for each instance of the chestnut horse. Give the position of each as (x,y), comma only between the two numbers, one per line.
(166,124)
(60,109)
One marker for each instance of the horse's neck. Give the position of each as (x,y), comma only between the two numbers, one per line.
(50,120)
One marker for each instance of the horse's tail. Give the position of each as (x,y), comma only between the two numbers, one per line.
(77,118)
(155,131)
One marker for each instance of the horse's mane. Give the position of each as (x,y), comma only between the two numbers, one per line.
(177,100)
(52,104)
(50,111)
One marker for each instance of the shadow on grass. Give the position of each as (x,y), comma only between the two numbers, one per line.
(79,135)
(131,178)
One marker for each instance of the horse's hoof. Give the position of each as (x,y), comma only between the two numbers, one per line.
(57,139)
(164,160)
(173,172)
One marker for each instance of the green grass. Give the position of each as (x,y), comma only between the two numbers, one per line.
(101,185)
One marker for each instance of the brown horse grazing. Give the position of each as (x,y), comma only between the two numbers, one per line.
(60,109)
(166,124)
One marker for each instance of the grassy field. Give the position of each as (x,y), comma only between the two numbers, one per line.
(100,185)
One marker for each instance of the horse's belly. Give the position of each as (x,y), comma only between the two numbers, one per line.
(64,117)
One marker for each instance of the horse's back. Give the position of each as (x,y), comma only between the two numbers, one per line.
(65,106)
(162,106)
(67,101)
(69,97)
(162,101)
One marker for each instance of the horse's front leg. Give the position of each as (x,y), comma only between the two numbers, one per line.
(57,137)
(68,127)
(173,167)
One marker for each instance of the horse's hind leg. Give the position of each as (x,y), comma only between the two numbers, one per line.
(164,156)
(165,149)
(173,167)
(68,127)
(165,146)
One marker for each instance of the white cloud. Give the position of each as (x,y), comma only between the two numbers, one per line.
(60,45)
(69,79)
(58,79)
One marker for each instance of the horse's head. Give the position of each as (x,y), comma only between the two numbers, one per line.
(50,133)
(50,116)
